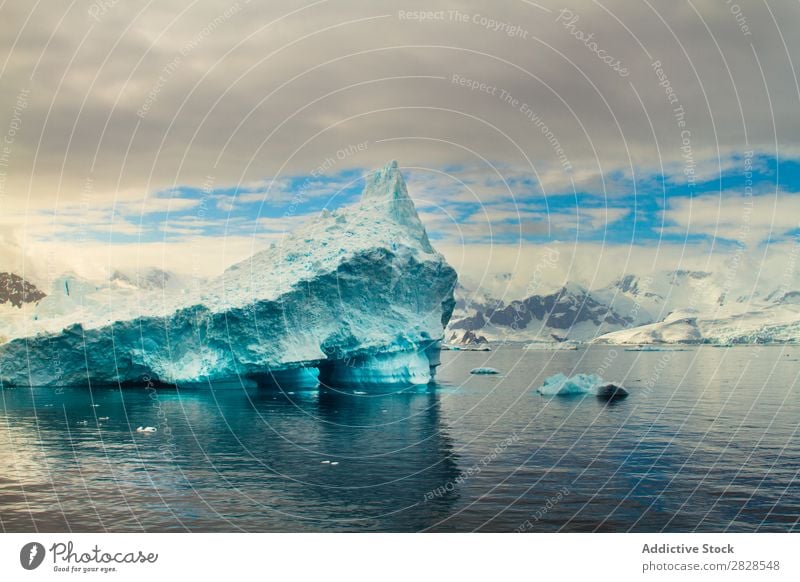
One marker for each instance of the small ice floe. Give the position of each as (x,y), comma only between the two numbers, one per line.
(146,429)
(95,405)
(560,385)
(359,393)
(550,346)
(334,462)
(325,462)
(651,348)
(82,423)
(103,418)
(483,371)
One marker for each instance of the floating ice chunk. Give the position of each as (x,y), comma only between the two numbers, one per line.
(550,346)
(483,371)
(655,349)
(561,385)
(147,429)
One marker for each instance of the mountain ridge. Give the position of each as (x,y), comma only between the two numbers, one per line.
(670,306)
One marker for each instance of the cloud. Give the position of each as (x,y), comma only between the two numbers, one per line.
(281,224)
(123,115)
(748,220)
(501,222)
(13,256)
(157,204)
(197,256)
(512,271)
(242,91)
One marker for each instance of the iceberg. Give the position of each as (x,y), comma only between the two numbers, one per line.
(561,385)
(357,296)
(483,371)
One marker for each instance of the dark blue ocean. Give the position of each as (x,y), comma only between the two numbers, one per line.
(707,441)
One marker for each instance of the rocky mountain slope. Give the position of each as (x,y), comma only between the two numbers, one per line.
(16,291)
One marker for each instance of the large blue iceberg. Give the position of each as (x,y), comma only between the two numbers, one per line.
(358,296)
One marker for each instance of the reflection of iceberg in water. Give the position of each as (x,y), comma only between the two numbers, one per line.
(226,459)
(399,451)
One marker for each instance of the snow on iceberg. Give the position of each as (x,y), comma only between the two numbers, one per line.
(358,296)
(561,385)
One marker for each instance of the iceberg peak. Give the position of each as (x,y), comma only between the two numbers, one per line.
(385,184)
(386,194)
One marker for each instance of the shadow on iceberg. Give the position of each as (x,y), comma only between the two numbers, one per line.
(380,372)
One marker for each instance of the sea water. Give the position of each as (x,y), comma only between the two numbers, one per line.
(706,441)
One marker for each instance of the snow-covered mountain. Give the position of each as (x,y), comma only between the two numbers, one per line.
(71,298)
(16,291)
(18,299)
(679,306)
(571,312)
(678,327)
(775,323)
(660,293)
(696,306)
(467,338)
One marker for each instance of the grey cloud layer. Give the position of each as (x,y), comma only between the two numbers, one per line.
(139,96)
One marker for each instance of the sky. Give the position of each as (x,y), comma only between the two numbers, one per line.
(188,135)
